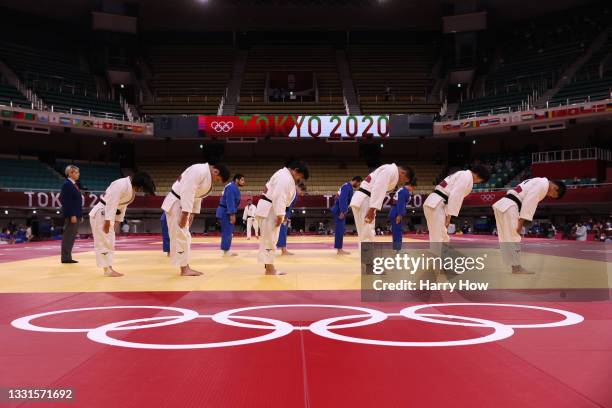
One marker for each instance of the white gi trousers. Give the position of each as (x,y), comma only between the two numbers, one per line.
(104,244)
(436,225)
(251,222)
(365,231)
(268,238)
(509,238)
(180,238)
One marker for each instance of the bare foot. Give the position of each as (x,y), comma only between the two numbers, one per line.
(343,252)
(285,252)
(187,271)
(519,270)
(271,270)
(111,273)
(228,253)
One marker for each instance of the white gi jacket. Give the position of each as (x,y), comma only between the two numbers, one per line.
(249,211)
(192,186)
(378,183)
(530,192)
(456,187)
(280,190)
(117,197)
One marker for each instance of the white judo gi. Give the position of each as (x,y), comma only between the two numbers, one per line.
(371,194)
(436,208)
(279,193)
(507,213)
(111,207)
(187,193)
(251,222)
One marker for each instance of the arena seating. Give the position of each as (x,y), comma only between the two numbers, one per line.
(188,78)
(319,59)
(56,77)
(591,83)
(27,173)
(9,95)
(504,170)
(94,176)
(326,177)
(532,58)
(393,78)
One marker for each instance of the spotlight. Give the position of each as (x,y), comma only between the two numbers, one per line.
(121,86)
(303,211)
(34,212)
(458,85)
(57,212)
(201,146)
(5,212)
(474,141)
(382,145)
(104,143)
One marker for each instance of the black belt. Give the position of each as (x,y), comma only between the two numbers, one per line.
(366,192)
(263,197)
(176,195)
(441,194)
(516,200)
(104,202)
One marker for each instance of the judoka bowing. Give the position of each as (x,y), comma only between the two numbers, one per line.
(248,216)
(226,212)
(340,211)
(277,196)
(519,205)
(368,199)
(446,200)
(181,205)
(282,234)
(398,211)
(110,211)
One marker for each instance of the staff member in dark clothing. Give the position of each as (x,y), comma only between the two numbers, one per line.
(72,203)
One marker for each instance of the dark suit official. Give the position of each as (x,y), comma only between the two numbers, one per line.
(71,201)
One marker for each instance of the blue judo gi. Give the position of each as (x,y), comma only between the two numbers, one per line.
(228,205)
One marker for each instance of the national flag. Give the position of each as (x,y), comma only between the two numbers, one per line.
(88,123)
(76,122)
(118,126)
(29,116)
(539,115)
(65,121)
(137,129)
(42,117)
(107,125)
(7,114)
(128,128)
(527,116)
(98,124)
(18,115)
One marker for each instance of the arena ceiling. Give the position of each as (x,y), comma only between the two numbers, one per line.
(211,15)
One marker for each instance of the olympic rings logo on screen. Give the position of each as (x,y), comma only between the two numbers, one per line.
(222,127)
(274,329)
(487,197)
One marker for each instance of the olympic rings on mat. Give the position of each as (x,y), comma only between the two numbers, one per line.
(278,328)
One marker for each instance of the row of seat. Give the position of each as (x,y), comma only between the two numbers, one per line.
(27,173)
(188,78)
(57,79)
(10,96)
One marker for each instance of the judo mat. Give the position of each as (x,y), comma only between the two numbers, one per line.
(237,338)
